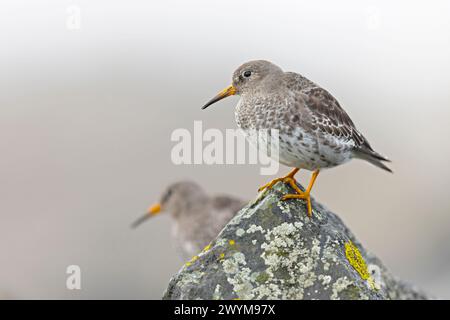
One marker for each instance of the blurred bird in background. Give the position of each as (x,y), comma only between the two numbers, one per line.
(197,217)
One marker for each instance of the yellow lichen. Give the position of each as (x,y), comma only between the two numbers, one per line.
(193,259)
(356,260)
(206,248)
(232,242)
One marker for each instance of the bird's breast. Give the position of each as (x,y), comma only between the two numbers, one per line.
(261,112)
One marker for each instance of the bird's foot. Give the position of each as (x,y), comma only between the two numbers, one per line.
(304,196)
(289,179)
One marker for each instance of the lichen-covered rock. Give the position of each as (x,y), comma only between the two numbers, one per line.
(272,250)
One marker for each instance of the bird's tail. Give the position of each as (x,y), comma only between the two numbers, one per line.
(373,157)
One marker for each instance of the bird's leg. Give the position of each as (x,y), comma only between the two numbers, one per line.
(305,195)
(286,179)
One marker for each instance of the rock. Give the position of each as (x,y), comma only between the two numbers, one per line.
(272,250)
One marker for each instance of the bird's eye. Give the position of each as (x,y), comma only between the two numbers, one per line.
(247,74)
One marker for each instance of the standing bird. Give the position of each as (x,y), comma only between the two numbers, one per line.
(314,131)
(197,217)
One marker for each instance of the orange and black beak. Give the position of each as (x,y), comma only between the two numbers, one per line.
(152,211)
(229,91)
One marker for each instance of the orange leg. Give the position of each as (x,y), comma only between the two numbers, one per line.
(286,179)
(305,195)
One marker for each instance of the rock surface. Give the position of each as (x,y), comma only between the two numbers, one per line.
(272,250)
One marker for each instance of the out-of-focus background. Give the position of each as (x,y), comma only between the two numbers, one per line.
(91,92)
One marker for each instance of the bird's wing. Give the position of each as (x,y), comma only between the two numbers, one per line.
(225,207)
(322,112)
(232,204)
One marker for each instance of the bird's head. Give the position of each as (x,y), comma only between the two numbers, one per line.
(174,200)
(252,76)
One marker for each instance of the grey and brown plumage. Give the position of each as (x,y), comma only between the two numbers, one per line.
(314,131)
(197,217)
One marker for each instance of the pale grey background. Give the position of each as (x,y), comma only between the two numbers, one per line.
(86,116)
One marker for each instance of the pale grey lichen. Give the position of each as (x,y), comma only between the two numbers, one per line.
(253,228)
(239,258)
(375,273)
(230,266)
(284,208)
(325,279)
(221,242)
(217,293)
(338,286)
(238,275)
(240,232)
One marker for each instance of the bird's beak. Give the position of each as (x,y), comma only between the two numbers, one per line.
(152,211)
(228,91)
